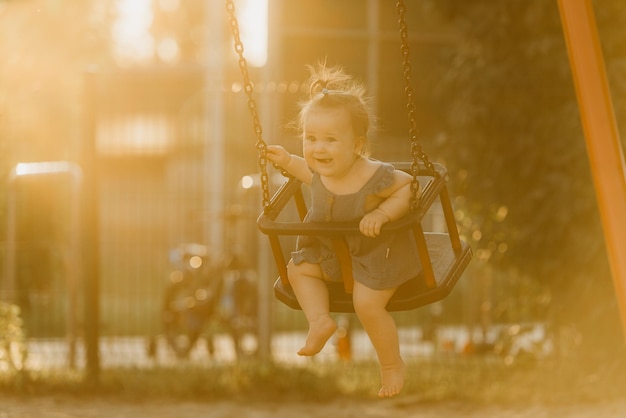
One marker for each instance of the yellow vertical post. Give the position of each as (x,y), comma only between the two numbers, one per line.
(603,145)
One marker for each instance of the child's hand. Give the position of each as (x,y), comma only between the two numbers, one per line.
(372,222)
(278,155)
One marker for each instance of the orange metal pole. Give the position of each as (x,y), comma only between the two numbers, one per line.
(602,137)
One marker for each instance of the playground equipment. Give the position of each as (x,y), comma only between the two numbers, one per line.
(601,134)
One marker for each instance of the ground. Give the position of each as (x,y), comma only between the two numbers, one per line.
(66,407)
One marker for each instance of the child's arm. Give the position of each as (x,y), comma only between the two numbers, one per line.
(395,205)
(294,165)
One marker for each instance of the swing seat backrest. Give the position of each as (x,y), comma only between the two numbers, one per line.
(443,255)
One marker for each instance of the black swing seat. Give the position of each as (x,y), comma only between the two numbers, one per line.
(443,255)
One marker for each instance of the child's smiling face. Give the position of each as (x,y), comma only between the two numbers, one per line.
(330,145)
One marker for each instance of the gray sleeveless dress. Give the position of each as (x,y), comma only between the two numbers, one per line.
(382,262)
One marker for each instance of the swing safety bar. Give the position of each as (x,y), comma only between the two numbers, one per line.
(443,256)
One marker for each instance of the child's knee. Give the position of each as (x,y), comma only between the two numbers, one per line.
(370,301)
(364,308)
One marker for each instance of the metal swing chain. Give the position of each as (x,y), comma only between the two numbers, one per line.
(416,149)
(260,144)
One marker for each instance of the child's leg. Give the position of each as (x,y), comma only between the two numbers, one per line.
(381,328)
(307,282)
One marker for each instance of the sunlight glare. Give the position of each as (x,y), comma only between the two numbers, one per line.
(195,261)
(44,167)
(169,5)
(253,27)
(167,49)
(132,41)
(247,182)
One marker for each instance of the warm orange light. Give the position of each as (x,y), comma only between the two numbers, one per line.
(252,16)
(132,40)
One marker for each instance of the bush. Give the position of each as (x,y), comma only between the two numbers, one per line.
(13,351)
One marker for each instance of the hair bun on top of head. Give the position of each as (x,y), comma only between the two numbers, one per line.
(324,80)
(316,90)
(333,80)
(317,87)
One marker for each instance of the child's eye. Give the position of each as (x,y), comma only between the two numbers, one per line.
(309,138)
(332,139)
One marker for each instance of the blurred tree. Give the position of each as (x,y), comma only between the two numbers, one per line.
(515,138)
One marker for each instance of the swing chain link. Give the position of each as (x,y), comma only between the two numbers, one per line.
(260,145)
(417,151)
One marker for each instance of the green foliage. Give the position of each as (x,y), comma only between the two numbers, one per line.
(253,380)
(516,147)
(13,350)
(516,134)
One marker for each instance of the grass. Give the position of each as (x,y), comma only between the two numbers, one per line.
(478,379)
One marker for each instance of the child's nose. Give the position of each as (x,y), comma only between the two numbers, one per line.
(320,145)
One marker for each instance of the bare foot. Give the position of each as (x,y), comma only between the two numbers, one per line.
(320,330)
(393,380)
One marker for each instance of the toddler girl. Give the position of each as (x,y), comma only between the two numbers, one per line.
(346,185)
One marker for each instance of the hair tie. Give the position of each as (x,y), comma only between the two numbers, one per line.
(325,91)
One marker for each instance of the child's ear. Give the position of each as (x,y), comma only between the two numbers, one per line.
(359,146)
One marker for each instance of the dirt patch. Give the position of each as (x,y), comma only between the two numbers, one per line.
(62,407)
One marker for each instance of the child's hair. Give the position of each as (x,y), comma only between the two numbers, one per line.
(332,87)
